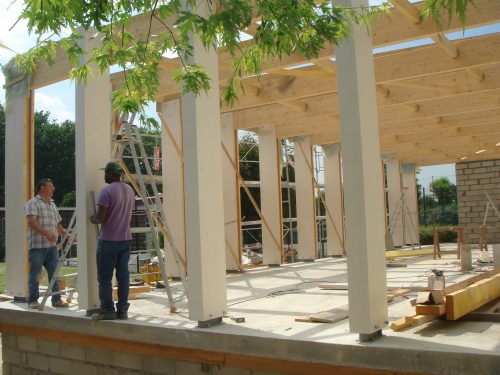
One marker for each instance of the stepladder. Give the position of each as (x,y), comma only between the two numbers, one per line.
(127,141)
(401,215)
(67,241)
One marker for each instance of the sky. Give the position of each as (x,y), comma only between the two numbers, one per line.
(59,99)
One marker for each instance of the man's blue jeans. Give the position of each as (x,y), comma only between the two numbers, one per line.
(46,257)
(113,255)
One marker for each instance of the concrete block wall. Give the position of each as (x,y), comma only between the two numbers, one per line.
(23,355)
(473,179)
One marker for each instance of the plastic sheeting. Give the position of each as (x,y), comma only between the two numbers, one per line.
(16,81)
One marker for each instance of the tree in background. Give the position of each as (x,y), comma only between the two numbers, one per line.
(248,150)
(55,156)
(444,191)
(439,205)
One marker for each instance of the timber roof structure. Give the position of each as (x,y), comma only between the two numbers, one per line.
(437,103)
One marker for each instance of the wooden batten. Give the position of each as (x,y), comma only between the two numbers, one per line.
(472,297)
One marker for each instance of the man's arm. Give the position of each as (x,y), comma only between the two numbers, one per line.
(33,224)
(60,230)
(100,216)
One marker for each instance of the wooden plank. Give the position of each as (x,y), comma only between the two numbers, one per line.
(430,309)
(462,284)
(411,321)
(397,293)
(332,316)
(400,324)
(418,320)
(395,264)
(407,253)
(487,313)
(464,301)
(133,291)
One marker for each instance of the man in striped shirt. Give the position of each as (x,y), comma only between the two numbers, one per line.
(44,224)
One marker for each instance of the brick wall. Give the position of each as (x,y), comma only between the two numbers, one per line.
(28,355)
(473,179)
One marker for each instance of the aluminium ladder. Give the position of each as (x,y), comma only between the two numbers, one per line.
(66,243)
(129,134)
(400,210)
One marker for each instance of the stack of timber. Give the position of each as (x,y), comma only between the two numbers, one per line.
(457,300)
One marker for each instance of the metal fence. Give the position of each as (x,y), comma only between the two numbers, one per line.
(139,240)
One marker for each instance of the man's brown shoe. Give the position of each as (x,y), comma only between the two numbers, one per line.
(60,303)
(34,305)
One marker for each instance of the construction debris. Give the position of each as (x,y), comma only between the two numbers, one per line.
(454,302)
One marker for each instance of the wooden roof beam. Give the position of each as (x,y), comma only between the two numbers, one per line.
(408,9)
(447,46)
(327,65)
(477,73)
(413,13)
(420,63)
(301,73)
(385,31)
(328,104)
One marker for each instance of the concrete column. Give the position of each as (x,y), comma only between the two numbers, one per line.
(232,217)
(173,183)
(304,190)
(270,195)
(410,212)
(19,185)
(496,255)
(394,204)
(334,200)
(92,148)
(363,193)
(203,190)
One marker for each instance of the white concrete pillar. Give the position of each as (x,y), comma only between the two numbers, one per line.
(410,211)
(19,185)
(496,256)
(304,193)
(363,192)
(395,227)
(203,190)
(232,217)
(173,183)
(334,200)
(92,151)
(270,195)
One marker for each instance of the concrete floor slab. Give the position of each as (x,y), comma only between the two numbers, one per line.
(271,298)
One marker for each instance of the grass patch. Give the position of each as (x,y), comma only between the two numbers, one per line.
(64,271)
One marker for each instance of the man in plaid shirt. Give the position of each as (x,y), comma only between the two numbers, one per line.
(43,227)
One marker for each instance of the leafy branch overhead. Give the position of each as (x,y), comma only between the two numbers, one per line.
(284,27)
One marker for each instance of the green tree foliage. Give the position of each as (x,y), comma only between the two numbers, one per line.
(55,154)
(248,149)
(439,205)
(286,27)
(444,191)
(69,199)
(249,156)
